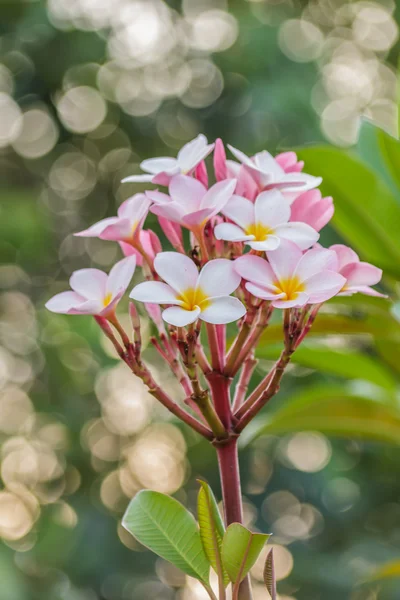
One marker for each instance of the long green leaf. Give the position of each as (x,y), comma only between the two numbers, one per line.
(389,570)
(240,550)
(334,411)
(165,526)
(366,213)
(341,362)
(269,574)
(211,528)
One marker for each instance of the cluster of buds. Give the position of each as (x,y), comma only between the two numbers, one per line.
(244,246)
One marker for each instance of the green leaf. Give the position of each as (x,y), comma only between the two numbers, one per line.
(341,362)
(366,213)
(164,526)
(211,528)
(333,411)
(387,571)
(269,574)
(240,550)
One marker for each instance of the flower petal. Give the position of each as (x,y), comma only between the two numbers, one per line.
(193,152)
(345,255)
(154,292)
(223,310)
(135,208)
(271,243)
(175,315)
(301,181)
(218,277)
(361,273)
(198,217)
(171,211)
(301,300)
(255,269)
(220,161)
(271,208)
(240,211)
(64,302)
(284,259)
(323,286)
(89,283)
(314,261)
(187,192)
(231,233)
(218,195)
(120,276)
(158,197)
(163,163)
(301,234)
(137,179)
(362,289)
(178,270)
(263,292)
(96,229)
(266,164)
(241,156)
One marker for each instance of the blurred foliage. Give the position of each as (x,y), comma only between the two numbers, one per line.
(87,90)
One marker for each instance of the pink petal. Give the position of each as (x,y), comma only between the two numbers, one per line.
(158,197)
(267,165)
(198,217)
(323,286)
(154,292)
(361,273)
(218,277)
(241,156)
(223,310)
(187,192)
(172,231)
(120,276)
(231,233)
(96,229)
(218,195)
(172,211)
(302,181)
(301,234)
(362,289)
(119,231)
(263,292)
(312,209)
(345,255)
(89,283)
(240,211)
(194,152)
(129,250)
(288,161)
(135,208)
(284,259)
(220,161)
(271,208)
(64,302)
(314,261)
(175,315)
(178,270)
(201,174)
(255,269)
(246,185)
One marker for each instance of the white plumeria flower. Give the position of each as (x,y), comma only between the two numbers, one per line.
(263,224)
(291,278)
(268,174)
(93,291)
(204,295)
(161,170)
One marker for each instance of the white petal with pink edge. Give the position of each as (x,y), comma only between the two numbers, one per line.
(178,270)
(284,259)
(218,278)
(89,283)
(175,315)
(187,192)
(120,276)
(231,233)
(154,292)
(271,208)
(239,210)
(323,286)
(301,234)
(314,261)
(64,302)
(255,269)
(223,310)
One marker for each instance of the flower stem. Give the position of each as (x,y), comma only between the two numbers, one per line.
(228,463)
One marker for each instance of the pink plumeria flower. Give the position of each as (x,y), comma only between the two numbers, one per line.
(264,224)
(193,295)
(149,244)
(225,169)
(289,163)
(126,226)
(268,174)
(291,278)
(359,275)
(93,292)
(189,203)
(161,170)
(310,207)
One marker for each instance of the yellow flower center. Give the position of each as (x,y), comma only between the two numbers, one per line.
(259,230)
(290,287)
(193,297)
(107,299)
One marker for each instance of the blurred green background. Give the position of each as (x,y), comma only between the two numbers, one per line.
(88,88)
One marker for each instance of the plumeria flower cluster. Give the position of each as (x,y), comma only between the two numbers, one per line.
(244,238)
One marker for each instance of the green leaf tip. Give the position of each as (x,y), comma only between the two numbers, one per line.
(240,550)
